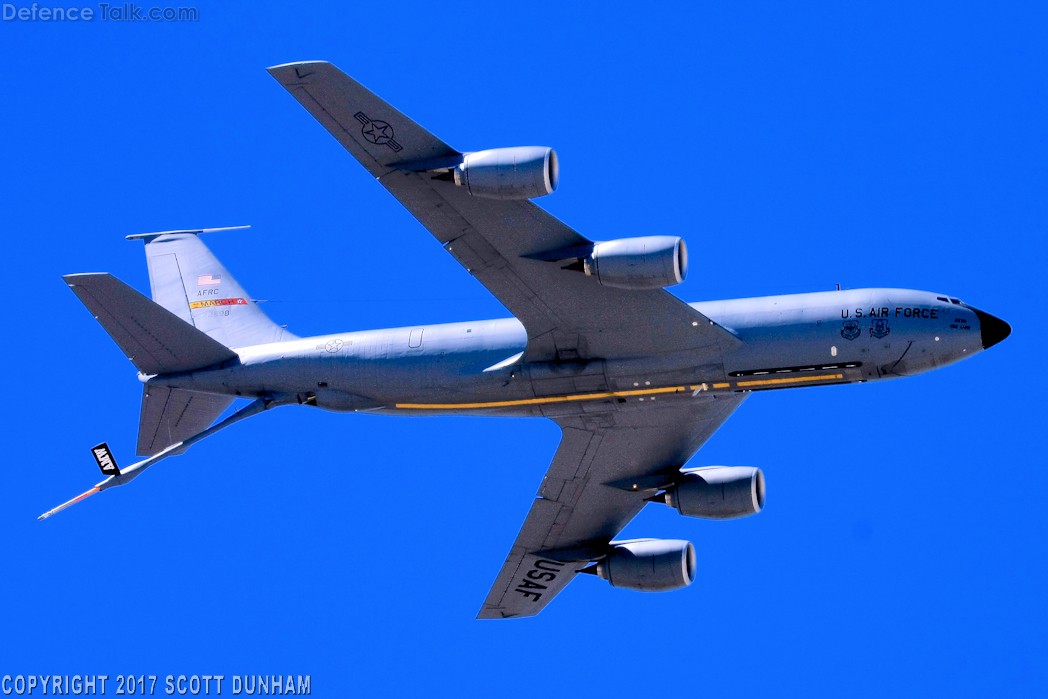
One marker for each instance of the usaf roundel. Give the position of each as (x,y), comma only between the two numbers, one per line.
(377,131)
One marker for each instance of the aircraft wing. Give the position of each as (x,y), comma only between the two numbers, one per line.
(585,499)
(567,315)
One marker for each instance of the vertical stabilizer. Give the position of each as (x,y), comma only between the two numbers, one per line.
(187,279)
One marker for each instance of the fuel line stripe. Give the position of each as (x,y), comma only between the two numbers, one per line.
(791,379)
(546,400)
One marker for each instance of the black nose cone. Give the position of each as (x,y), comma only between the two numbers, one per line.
(992,328)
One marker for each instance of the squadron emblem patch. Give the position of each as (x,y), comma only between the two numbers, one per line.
(879,327)
(851,330)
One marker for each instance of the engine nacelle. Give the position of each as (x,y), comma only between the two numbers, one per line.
(650,262)
(718,492)
(524,172)
(650,565)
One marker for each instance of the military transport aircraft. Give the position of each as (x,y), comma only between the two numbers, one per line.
(636,378)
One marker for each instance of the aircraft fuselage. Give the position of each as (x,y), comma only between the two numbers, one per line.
(786,342)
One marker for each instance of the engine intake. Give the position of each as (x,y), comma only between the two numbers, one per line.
(649,262)
(717,492)
(524,172)
(650,565)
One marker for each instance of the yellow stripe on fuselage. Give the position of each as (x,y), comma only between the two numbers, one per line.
(547,399)
(788,380)
(641,392)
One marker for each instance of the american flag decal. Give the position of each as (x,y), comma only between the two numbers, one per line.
(209,280)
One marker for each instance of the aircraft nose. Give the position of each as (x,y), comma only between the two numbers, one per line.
(992,328)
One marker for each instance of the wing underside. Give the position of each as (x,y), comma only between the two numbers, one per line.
(526,258)
(505,244)
(585,499)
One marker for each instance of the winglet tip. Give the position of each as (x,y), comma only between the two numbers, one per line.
(71,279)
(272,70)
(487,612)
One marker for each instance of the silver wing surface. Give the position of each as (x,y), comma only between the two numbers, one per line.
(509,246)
(586,497)
(567,315)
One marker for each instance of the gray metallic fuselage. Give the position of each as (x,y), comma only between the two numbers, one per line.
(474,367)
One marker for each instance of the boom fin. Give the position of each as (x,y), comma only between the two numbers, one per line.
(104,459)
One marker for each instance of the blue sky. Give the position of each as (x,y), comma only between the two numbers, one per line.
(902,549)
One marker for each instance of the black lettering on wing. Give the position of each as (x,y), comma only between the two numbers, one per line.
(530,585)
(541,575)
(544,570)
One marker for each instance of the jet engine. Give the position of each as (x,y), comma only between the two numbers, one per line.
(649,262)
(524,172)
(650,565)
(717,492)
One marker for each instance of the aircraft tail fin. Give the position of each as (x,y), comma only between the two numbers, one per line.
(154,339)
(187,279)
(157,342)
(171,415)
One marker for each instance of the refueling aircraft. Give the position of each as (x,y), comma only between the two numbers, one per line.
(637,379)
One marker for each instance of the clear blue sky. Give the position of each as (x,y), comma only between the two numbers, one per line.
(902,550)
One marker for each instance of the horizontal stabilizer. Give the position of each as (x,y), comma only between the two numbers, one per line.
(154,339)
(172,415)
(193,231)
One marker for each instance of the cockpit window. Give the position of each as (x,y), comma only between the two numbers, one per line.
(955,301)
(942,298)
